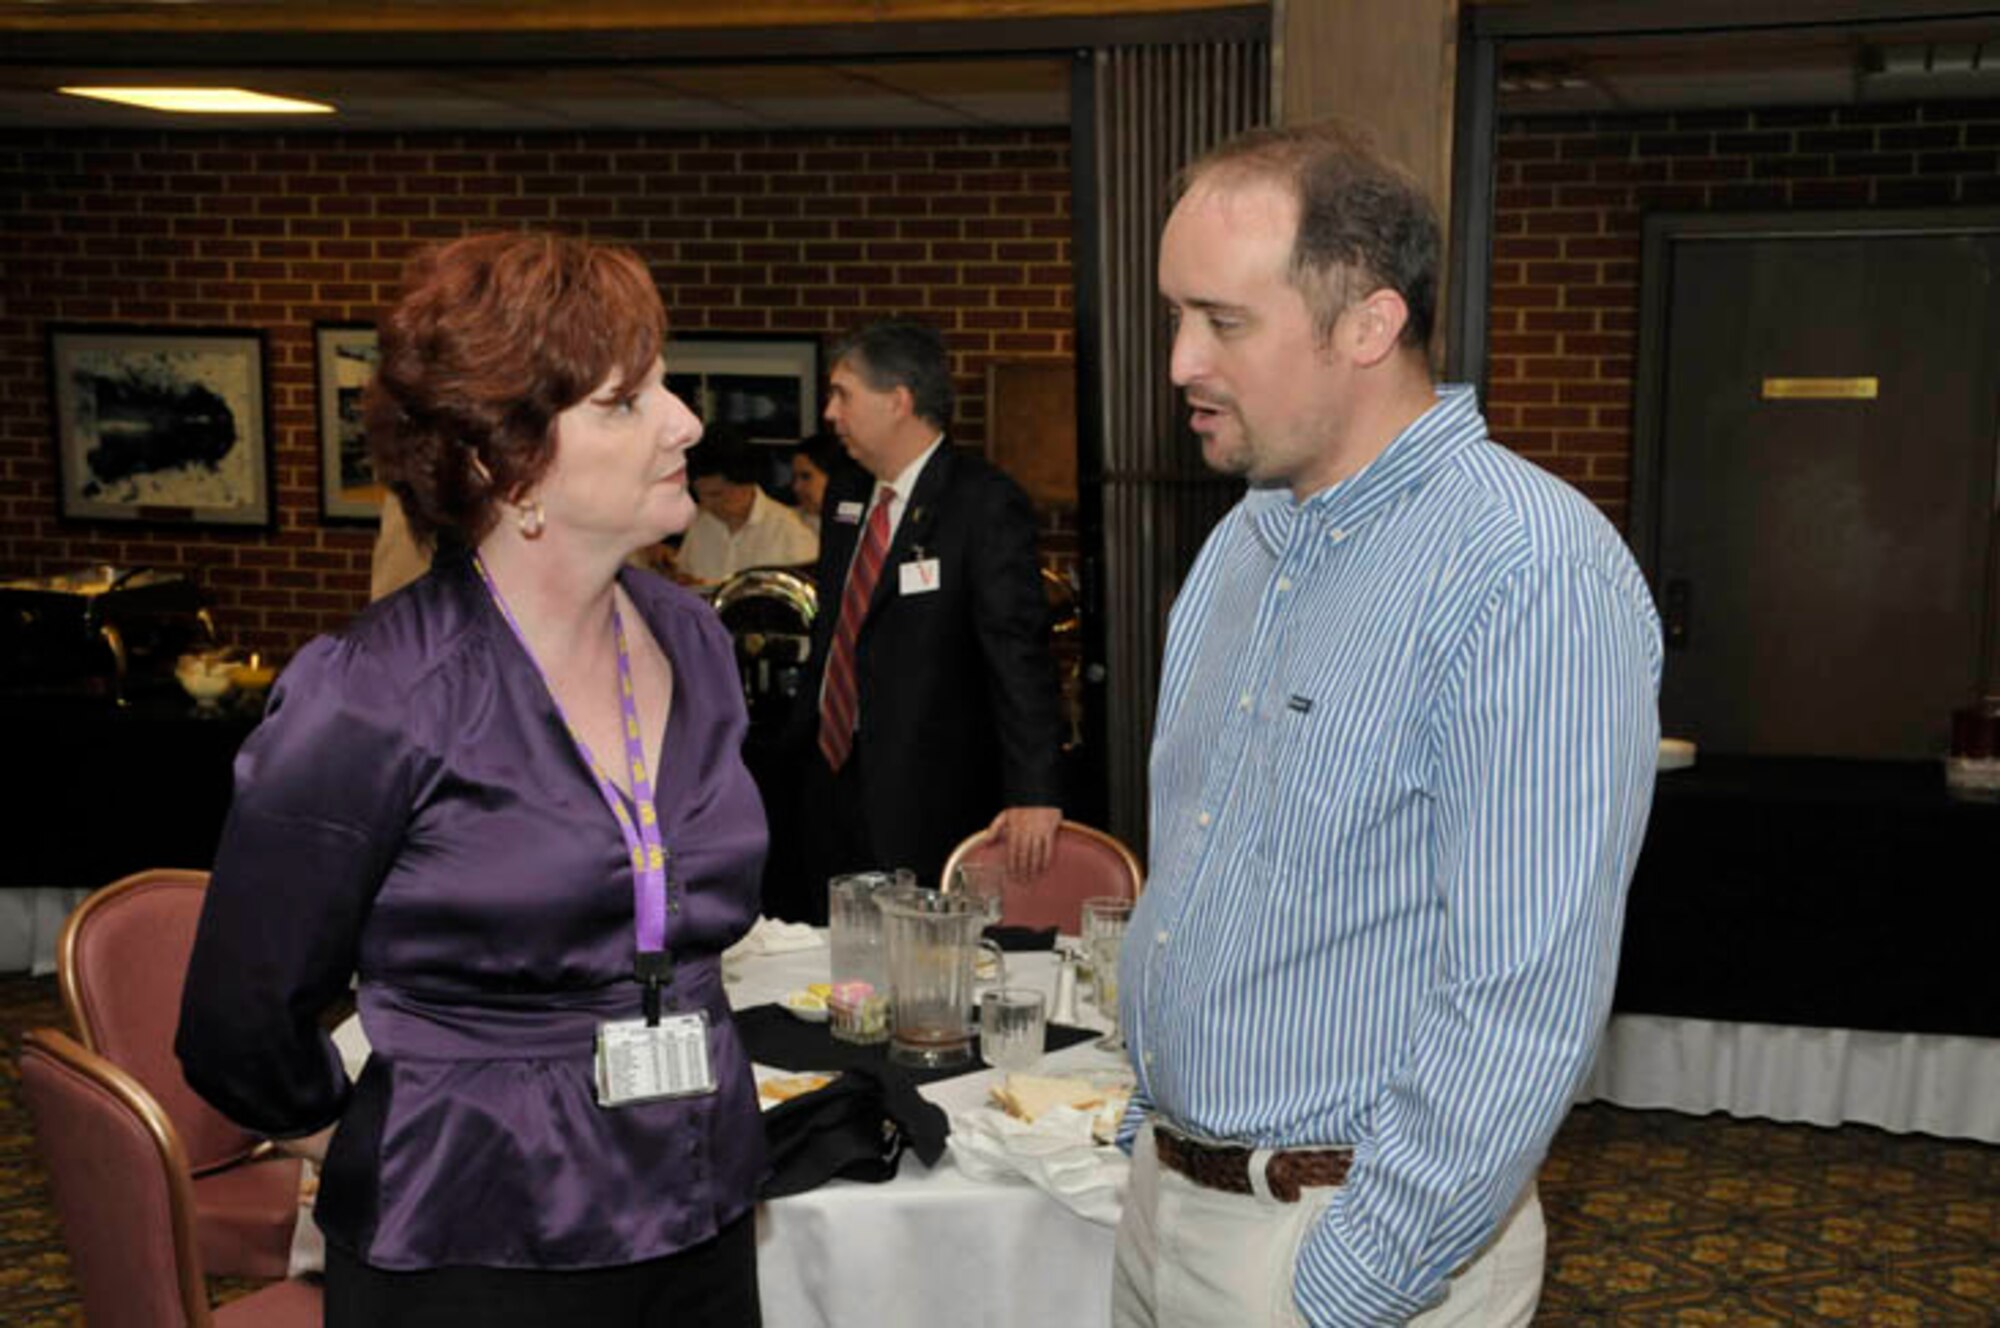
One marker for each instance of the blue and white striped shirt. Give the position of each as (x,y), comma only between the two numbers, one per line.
(1401,769)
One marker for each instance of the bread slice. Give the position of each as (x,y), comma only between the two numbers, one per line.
(786,1087)
(1028,1096)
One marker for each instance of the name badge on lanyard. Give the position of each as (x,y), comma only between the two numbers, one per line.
(638,1060)
(638,1063)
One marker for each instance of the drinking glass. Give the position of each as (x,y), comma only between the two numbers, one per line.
(1012,1022)
(858,954)
(1105,918)
(985,882)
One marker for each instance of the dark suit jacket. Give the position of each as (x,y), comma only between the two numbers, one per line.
(959,711)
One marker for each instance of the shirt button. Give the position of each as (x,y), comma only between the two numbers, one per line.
(1149,1058)
(1284,583)
(1243,701)
(1161,938)
(1336,534)
(1203,819)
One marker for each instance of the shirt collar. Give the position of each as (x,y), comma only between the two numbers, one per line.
(1450,426)
(906,480)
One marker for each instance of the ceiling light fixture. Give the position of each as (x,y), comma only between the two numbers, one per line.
(204,101)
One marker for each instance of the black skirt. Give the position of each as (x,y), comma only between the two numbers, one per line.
(711,1285)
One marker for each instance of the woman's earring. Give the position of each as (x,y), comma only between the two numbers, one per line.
(530,515)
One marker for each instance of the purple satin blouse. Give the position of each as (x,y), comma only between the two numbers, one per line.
(412,809)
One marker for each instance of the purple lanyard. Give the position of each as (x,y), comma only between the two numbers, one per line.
(648,853)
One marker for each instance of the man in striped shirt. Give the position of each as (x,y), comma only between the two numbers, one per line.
(1401,770)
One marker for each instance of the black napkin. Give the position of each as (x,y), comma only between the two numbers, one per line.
(856,1128)
(776,1038)
(1022,938)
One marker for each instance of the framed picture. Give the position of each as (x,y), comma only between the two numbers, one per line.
(344,358)
(161,424)
(767,386)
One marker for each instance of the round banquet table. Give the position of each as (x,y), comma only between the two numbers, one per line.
(933,1245)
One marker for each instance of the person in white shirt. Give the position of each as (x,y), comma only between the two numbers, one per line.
(739,524)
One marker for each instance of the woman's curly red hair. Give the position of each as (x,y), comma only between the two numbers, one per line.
(494,337)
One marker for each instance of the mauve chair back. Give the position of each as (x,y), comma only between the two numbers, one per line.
(121,1187)
(122,961)
(1085,863)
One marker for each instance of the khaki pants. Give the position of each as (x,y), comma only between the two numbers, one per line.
(1191,1257)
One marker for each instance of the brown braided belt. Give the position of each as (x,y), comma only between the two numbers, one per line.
(1226,1167)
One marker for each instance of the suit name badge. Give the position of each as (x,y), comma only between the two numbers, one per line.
(848,514)
(919,576)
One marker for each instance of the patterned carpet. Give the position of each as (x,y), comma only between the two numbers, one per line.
(1656,1220)
(1699,1222)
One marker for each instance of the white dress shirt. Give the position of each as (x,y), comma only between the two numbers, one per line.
(773,536)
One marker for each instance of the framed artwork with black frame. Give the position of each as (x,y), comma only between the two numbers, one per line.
(344,359)
(161,425)
(766,385)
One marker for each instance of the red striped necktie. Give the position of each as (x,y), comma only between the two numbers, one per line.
(838,700)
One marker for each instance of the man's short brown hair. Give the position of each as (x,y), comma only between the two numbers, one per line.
(1364,223)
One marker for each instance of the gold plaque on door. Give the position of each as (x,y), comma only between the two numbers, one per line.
(1821,389)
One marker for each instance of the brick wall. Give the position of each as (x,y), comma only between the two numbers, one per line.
(1572,193)
(792,233)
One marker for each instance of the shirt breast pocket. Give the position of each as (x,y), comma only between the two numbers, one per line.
(1349,806)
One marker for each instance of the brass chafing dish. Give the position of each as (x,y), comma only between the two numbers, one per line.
(99,631)
(769,611)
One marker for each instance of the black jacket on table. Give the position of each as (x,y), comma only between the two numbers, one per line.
(959,714)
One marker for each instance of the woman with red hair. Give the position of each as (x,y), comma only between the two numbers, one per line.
(510,798)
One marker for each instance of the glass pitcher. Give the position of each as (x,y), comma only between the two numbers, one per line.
(933,940)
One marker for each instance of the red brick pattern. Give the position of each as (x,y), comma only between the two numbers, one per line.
(789,233)
(1572,192)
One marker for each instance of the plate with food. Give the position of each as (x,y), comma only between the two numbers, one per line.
(1029,1097)
(808,1002)
(775,1087)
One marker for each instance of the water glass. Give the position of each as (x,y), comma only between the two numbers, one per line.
(1105,918)
(985,882)
(1012,1022)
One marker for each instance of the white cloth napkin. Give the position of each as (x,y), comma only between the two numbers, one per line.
(770,936)
(1056,1154)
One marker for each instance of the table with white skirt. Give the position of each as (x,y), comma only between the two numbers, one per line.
(1801,944)
(932,1246)
(1924,1083)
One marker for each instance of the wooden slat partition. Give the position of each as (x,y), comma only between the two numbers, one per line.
(1157,108)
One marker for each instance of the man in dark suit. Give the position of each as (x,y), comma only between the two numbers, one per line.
(930,702)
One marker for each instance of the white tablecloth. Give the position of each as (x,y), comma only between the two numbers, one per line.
(30,921)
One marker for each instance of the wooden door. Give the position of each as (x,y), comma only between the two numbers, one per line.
(1816,477)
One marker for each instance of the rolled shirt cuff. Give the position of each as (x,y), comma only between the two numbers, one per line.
(1335,1288)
